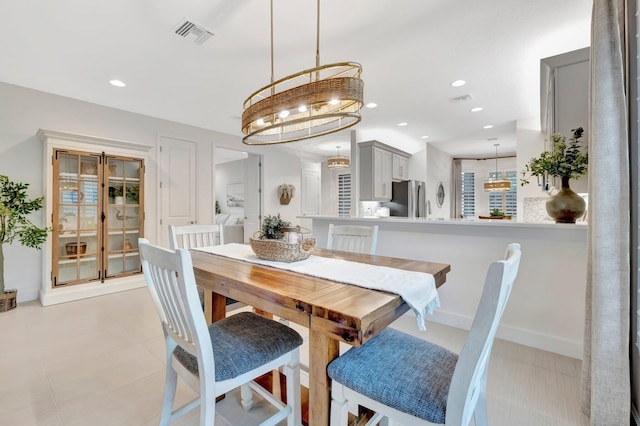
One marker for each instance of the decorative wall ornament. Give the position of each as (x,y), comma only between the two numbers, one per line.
(286,192)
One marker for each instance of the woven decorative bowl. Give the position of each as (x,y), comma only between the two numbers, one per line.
(282,251)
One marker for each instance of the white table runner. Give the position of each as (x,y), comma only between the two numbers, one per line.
(418,289)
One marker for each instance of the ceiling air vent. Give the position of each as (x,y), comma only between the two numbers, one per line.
(188,27)
(462,98)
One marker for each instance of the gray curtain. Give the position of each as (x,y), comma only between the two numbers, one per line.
(456,189)
(605,368)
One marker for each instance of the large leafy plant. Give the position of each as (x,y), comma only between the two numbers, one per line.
(564,160)
(15,206)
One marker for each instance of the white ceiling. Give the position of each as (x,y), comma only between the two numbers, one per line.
(410,51)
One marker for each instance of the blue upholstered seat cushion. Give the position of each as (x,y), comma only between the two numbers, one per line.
(401,371)
(242,342)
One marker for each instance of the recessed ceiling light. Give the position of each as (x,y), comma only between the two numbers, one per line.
(424,137)
(402,124)
(302,108)
(372,105)
(488,126)
(458,83)
(117,83)
(476,109)
(283,114)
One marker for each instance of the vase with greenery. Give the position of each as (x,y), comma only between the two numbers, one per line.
(15,207)
(567,161)
(272,227)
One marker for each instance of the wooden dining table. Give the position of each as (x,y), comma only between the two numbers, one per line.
(332,311)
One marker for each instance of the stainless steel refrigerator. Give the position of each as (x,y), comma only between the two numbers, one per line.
(408,199)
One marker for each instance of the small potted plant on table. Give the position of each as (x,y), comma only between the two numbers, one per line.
(271,243)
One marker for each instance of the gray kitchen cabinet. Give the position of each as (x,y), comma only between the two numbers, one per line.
(377,170)
(400,170)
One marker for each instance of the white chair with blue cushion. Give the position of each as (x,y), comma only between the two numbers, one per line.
(354,239)
(414,382)
(228,354)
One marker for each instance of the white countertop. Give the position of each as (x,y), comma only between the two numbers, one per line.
(581,226)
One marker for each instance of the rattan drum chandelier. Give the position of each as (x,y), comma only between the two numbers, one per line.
(495,184)
(338,162)
(311,103)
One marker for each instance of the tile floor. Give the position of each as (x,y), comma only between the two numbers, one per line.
(100,361)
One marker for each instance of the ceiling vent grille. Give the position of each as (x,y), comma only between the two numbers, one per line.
(462,98)
(188,27)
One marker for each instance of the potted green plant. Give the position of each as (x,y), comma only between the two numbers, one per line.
(116,193)
(15,206)
(496,213)
(271,228)
(567,161)
(133,194)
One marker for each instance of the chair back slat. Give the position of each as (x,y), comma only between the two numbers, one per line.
(193,236)
(354,239)
(169,275)
(471,369)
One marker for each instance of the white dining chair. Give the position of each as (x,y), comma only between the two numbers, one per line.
(196,235)
(355,239)
(414,382)
(213,360)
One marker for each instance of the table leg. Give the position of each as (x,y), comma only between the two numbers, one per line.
(215,306)
(322,350)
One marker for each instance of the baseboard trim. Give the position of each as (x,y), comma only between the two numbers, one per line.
(85,291)
(545,342)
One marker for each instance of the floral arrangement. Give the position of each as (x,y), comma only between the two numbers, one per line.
(564,160)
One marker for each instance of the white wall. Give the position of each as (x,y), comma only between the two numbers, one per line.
(439,169)
(24,111)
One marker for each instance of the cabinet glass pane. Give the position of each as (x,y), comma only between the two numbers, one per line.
(81,269)
(98,215)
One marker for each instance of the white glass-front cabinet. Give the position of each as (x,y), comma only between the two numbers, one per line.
(97,215)
(94,198)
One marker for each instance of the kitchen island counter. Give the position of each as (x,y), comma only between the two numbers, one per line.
(546,308)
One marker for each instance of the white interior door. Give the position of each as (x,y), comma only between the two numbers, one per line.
(252,196)
(310,192)
(178,183)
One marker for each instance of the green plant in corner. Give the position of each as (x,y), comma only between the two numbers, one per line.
(271,225)
(218,210)
(564,160)
(15,206)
